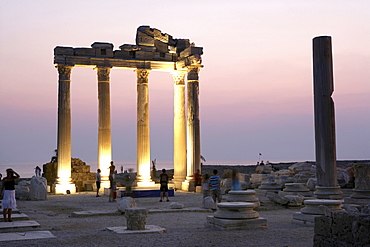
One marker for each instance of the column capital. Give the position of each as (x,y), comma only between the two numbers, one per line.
(64,71)
(103,73)
(193,73)
(178,77)
(142,75)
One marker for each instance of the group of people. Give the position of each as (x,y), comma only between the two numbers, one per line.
(7,194)
(112,182)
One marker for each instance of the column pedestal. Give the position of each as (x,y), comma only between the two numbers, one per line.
(361,192)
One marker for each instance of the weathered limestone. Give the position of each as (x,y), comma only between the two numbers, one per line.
(179,135)
(193,124)
(342,229)
(361,192)
(209,203)
(176,205)
(125,203)
(104,128)
(270,186)
(64,183)
(22,190)
(38,188)
(243,196)
(295,189)
(143,130)
(327,184)
(136,218)
(235,216)
(314,208)
(153,50)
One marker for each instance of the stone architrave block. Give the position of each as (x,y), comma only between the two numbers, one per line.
(160,46)
(67,51)
(136,218)
(144,39)
(38,188)
(144,55)
(125,203)
(294,200)
(84,52)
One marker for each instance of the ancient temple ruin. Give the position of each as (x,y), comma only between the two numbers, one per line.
(153,50)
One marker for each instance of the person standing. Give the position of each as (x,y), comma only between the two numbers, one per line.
(7,193)
(215,184)
(235,179)
(38,171)
(112,182)
(163,180)
(197,180)
(98,181)
(205,185)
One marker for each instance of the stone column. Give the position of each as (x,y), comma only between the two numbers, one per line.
(193,130)
(63,182)
(327,184)
(104,129)
(179,125)
(361,192)
(143,130)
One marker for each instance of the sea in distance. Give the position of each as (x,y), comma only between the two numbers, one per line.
(27,169)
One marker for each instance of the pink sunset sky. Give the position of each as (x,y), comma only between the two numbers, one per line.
(255,87)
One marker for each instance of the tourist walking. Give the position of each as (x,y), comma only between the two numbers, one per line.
(197,180)
(7,193)
(215,184)
(163,180)
(98,181)
(235,179)
(205,185)
(112,182)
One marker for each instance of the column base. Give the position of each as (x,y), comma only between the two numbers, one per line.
(178,183)
(331,193)
(145,183)
(188,184)
(360,194)
(64,188)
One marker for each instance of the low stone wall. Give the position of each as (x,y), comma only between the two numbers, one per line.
(342,229)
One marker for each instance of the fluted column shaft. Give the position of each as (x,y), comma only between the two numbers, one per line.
(193,127)
(104,128)
(179,126)
(324,120)
(143,129)
(64,181)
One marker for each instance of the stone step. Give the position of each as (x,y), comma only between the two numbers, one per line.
(13,236)
(95,213)
(20,216)
(19,224)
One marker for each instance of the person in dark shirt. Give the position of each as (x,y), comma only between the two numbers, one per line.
(7,193)
(163,179)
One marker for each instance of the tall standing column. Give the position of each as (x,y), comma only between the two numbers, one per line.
(179,127)
(104,129)
(193,130)
(143,130)
(64,183)
(327,184)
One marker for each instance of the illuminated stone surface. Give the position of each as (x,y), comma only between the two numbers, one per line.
(153,50)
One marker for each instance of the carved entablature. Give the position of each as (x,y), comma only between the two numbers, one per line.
(153,50)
